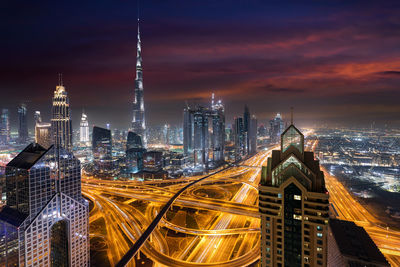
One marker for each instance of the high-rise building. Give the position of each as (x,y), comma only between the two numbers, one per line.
(22,124)
(350,245)
(43,134)
(252,135)
(217,114)
(239,138)
(46,220)
(200,138)
(262,131)
(134,153)
(102,149)
(187,131)
(293,204)
(5,127)
(204,135)
(84,129)
(37,116)
(276,127)
(138,121)
(61,124)
(246,128)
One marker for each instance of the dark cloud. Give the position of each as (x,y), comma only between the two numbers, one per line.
(311,55)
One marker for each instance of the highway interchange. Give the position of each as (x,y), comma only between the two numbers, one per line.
(224,207)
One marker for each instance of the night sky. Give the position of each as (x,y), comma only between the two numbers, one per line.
(337,63)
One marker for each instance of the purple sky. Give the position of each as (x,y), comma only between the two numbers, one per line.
(336,63)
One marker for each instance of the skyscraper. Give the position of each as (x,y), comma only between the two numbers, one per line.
(43,134)
(22,124)
(46,220)
(246,128)
(239,138)
(102,149)
(187,131)
(37,116)
(293,203)
(61,124)
(218,130)
(252,135)
(138,121)
(134,153)
(84,129)
(5,127)
(276,128)
(204,144)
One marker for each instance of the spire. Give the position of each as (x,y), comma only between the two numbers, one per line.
(60,81)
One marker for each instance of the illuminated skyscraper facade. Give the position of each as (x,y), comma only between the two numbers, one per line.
(276,127)
(45,220)
(102,149)
(84,129)
(293,204)
(22,124)
(43,134)
(61,124)
(37,117)
(204,135)
(138,121)
(5,127)
(239,138)
(252,136)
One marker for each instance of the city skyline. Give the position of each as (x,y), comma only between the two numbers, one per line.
(347,53)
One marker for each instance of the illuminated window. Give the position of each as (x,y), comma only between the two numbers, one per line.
(297,197)
(319,234)
(319,249)
(297,217)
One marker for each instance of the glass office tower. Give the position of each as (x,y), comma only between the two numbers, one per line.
(46,220)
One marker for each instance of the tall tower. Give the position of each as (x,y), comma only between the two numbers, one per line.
(22,124)
(5,127)
(138,121)
(61,123)
(84,129)
(293,204)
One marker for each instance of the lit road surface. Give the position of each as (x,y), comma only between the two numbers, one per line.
(235,230)
(349,209)
(230,237)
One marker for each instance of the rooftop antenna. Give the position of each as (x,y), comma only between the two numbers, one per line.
(291,115)
(60,81)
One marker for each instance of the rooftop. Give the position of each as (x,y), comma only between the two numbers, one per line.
(28,157)
(353,241)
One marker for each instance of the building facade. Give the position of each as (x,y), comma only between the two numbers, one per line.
(252,136)
(22,124)
(293,204)
(138,121)
(5,127)
(239,138)
(46,220)
(204,135)
(61,124)
(43,134)
(102,150)
(134,153)
(276,127)
(84,129)
(37,117)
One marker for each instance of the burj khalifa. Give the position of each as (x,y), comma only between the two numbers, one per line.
(138,121)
